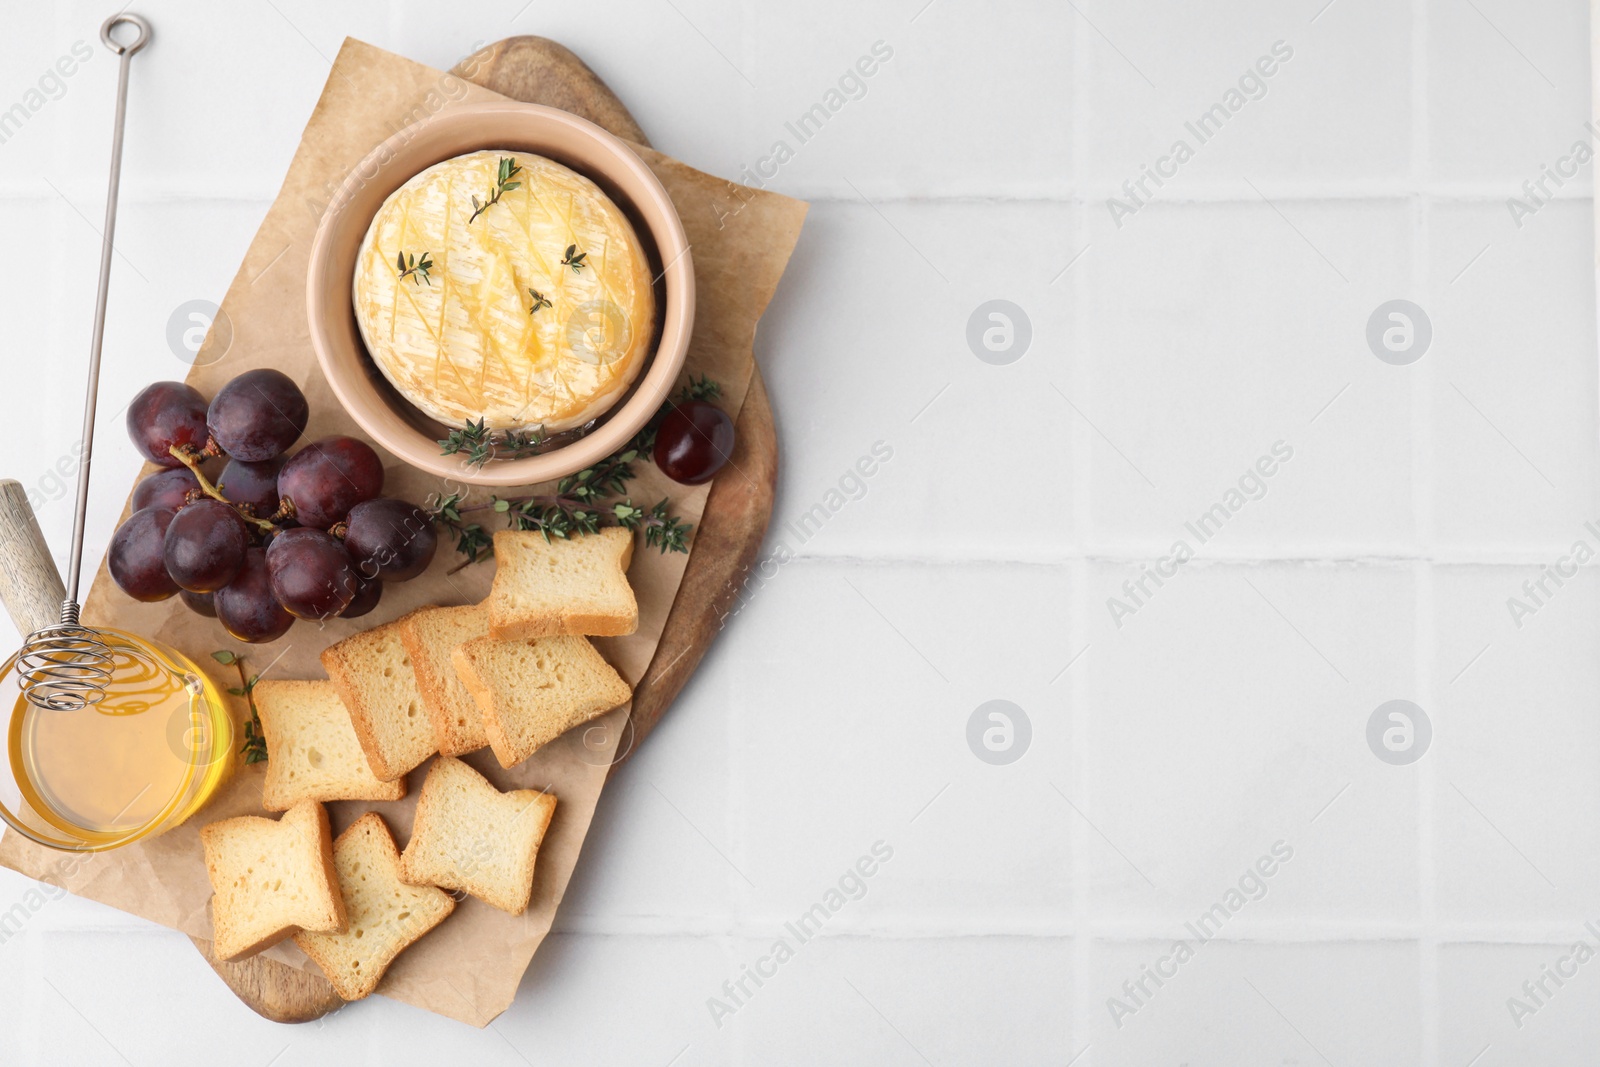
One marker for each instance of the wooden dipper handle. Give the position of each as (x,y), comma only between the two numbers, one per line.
(30,586)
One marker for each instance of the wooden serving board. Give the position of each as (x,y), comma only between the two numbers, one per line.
(540,71)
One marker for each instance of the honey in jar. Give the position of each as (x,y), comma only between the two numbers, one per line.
(143,759)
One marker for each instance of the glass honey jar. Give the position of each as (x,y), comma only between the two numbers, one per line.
(143,759)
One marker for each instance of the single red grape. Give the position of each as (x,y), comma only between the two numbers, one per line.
(311,573)
(246,606)
(693,442)
(255,484)
(327,478)
(200,603)
(204,546)
(258,415)
(166,414)
(368,593)
(136,558)
(165,489)
(389,538)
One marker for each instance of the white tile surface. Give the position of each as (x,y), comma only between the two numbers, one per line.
(1508,88)
(874,745)
(1005,505)
(1505,475)
(1197,371)
(1246,1003)
(888,1001)
(1152,68)
(889,363)
(1477,984)
(1521,737)
(916,127)
(1247,734)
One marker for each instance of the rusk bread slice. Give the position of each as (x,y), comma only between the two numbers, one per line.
(270,878)
(470,836)
(312,749)
(374,677)
(430,634)
(385,915)
(532,692)
(564,585)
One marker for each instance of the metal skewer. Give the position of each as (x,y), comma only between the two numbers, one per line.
(65,667)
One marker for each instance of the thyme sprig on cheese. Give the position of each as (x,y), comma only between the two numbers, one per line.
(539,301)
(414,268)
(509,168)
(576,262)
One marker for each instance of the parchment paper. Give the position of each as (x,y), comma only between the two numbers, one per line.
(469,967)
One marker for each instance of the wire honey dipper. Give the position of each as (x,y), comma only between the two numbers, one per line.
(66,666)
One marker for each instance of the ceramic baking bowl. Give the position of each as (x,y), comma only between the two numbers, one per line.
(361,387)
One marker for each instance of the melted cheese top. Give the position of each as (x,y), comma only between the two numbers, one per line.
(462,343)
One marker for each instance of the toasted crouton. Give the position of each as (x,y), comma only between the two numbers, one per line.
(430,635)
(470,836)
(531,692)
(271,877)
(563,585)
(312,749)
(385,915)
(373,674)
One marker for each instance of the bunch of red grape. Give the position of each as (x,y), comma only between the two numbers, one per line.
(277,537)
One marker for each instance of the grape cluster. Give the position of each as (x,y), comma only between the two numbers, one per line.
(279,537)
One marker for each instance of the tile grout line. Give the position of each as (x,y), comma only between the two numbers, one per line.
(1154,927)
(1145,554)
(739,838)
(1079,736)
(1425,649)
(737,825)
(1157,929)
(1078,731)
(1425,637)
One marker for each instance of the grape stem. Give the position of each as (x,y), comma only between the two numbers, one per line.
(191,459)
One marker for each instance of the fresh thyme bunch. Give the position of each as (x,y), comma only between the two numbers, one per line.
(480,444)
(581,504)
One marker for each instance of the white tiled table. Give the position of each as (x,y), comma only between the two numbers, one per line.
(1168,755)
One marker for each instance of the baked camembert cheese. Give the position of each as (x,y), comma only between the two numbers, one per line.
(503,286)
